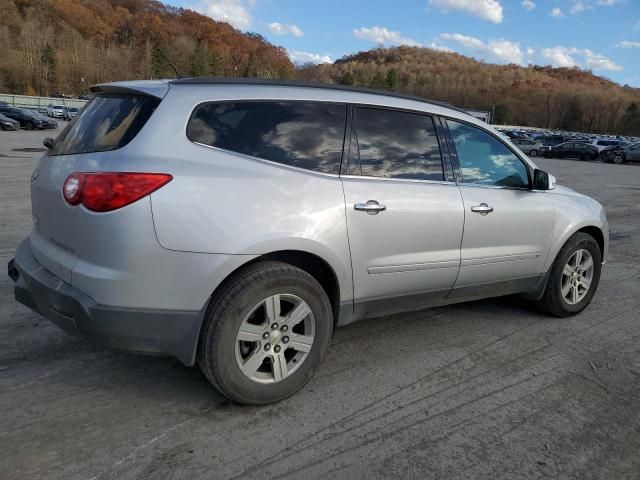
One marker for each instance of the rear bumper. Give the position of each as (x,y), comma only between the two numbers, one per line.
(165,332)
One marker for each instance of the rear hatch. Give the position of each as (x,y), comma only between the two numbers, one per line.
(108,122)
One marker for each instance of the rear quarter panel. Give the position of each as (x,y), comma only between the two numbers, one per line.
(221,202)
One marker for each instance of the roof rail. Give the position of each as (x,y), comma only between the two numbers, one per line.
(300,83)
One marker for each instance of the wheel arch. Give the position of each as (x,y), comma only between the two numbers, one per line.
(312,263)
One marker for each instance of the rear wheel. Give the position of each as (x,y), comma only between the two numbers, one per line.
(533,153)
(265,333)
(30,126)
(617,158)
(585,157)
(573,278)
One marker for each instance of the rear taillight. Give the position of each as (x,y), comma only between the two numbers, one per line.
(106,191)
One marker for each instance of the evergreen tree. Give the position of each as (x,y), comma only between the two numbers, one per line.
(199,66)
(346,79)
(392,79)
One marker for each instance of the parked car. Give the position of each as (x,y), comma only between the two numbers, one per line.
(619,154)
(226,243)
(601,144)
(529,147)
(548,141)
(580,150)
(70,113)
(55,111)
(46,121)
(7,123)
(28,120)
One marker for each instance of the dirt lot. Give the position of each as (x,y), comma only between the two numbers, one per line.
(489,389)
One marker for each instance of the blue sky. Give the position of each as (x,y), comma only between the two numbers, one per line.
(600,35)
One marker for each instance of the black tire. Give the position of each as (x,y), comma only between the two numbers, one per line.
(533,153)
(617,158)
(29,126)
(585,157)
(552,301)
(229,307)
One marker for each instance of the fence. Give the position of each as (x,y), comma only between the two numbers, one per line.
(39,103)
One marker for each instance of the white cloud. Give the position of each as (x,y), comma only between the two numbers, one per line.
(556,12)
(439,47)
(559,56)
(528,5)
(235,12)
(383,36)
(530,51)
(487,9)
(285,29)
(597,61)
(565,57)
(578,7)
(301,58)
(628,44)
(502,50)
(607,3)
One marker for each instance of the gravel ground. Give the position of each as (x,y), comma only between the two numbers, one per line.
(489,389)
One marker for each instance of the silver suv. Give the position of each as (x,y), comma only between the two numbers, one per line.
(236,223)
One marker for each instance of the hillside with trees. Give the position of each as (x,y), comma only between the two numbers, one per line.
(50,46)
(564,98)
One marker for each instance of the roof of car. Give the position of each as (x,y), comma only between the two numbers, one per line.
(299,83)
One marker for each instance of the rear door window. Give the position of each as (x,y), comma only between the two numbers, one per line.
(397,144)
(107,122)
(301,134)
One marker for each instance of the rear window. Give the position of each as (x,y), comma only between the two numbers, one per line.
(107,122)
(301,134)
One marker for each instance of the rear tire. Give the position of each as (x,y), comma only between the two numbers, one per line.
(30,126)
(574,277)
(618,159)
(253,347)
(533,153)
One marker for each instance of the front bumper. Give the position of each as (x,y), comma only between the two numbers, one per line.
(164,332)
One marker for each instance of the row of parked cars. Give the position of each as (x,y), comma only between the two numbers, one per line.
(14,118)
(586,148)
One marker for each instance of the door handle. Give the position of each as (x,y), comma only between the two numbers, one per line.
(482,209)
(372,207)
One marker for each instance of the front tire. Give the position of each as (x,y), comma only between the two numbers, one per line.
(574,277)
(30,126)
(265,333)
(533,153)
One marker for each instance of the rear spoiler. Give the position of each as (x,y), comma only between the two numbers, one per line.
(153,88)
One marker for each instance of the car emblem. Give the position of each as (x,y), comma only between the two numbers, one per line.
(35,174)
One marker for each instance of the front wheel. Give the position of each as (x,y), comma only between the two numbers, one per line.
(617,158)
(265,333)
(533,153)
(30,126)
(573,278)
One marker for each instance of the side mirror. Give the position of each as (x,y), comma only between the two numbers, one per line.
(543,180)
(48,142)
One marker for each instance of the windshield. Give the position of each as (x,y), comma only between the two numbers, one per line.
(107,122)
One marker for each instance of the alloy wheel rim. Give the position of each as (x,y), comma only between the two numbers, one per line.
(577,276)
(617,159)
(275,338)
